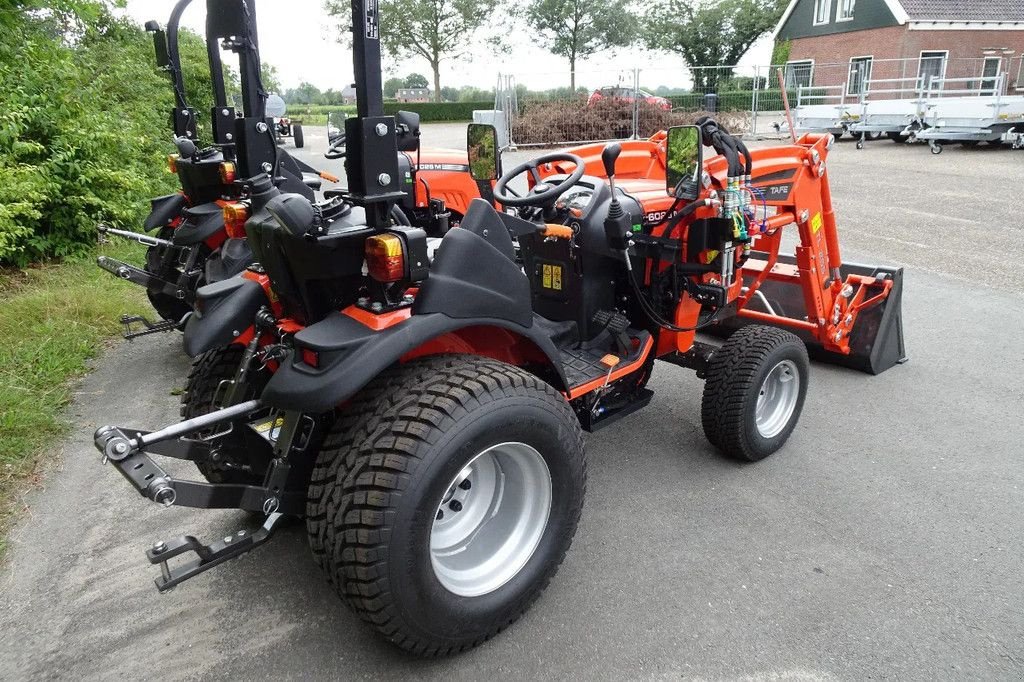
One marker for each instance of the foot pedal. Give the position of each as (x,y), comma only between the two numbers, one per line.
(148,327)
(208,556)
(617,324)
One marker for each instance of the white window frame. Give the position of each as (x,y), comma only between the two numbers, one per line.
(849,72)
(994,78)
(790,63)
(839,10)
(827,4)
(1019,86)
(931,55)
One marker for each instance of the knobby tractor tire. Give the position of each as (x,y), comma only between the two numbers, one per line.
(167,307)
(736,380)
(421,431)
(297,136)
(380,394)
(205,375)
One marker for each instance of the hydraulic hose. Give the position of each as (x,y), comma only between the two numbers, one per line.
(747,157)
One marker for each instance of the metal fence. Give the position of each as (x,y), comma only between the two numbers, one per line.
(635,103)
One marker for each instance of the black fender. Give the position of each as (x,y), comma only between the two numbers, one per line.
(223,311)
(351,354)
(201,222)
(163,210)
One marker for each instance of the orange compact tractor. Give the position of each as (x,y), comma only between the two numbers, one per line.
(420,402)
(810,291)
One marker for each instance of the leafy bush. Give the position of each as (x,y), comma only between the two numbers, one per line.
(84,128)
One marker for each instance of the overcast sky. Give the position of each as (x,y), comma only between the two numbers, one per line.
(299,39)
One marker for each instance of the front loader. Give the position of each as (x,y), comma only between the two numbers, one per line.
(423,409)
(847,313)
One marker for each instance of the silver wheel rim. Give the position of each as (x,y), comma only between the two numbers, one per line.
(491,519)
(776,400)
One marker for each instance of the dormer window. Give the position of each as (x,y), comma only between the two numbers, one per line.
(822,11)
(845,12)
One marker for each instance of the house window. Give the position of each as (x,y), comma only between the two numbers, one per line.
(1020,75)
(799,73)
(845,12)
(822,11)
(860,74)
(931,66)
(990,75)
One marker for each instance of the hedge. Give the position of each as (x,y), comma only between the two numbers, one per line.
(438,111)
(741,100)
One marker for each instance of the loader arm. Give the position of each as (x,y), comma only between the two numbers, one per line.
(821,298)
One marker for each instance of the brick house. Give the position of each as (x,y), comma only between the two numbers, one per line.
(835,42)
(413,95)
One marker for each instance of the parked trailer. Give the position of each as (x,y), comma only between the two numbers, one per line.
(893,109)
(824,109)
(993,118)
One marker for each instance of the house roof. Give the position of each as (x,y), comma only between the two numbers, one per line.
(945,11)
(964,10)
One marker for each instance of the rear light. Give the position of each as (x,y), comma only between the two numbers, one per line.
(235,215)
(172,163)
(227,172)
(311,357)
(385,258)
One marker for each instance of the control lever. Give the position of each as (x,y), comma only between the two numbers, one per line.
(608,157)
(616,223)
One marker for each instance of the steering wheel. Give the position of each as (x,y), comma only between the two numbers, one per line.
(543,192)
(336,150)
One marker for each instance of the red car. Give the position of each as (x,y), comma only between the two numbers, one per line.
(627,95)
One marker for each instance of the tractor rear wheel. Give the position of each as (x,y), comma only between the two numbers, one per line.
(233,463)
(297,136)
(755,389)
(456,503)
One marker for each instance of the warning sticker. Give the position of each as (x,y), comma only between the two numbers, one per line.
(551,276)
(816,223)
(269,428)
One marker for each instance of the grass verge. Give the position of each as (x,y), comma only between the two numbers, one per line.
(55,317)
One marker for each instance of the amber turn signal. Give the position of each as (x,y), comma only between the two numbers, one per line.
(385,258)
(235,215)
(227,172)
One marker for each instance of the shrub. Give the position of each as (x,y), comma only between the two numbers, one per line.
(84,132)
(574,121)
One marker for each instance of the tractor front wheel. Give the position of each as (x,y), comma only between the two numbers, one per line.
(297,136)
(456,504)
(755,389)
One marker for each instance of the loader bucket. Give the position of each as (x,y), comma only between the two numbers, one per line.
(876,343)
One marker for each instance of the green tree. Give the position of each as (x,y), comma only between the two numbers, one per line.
(449,94)
(577,29)
(709,33)
(415,80)
(434,30)
(306,93)
(271,79)
(391,87)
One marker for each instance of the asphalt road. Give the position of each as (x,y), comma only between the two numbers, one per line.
(884,541)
